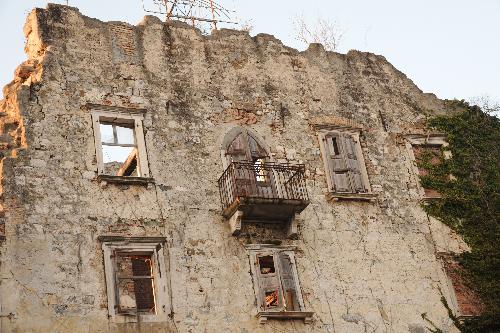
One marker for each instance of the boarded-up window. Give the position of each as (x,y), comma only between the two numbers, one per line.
(468,301)
(425,156)
(134,283)
(276,281)
(344,163)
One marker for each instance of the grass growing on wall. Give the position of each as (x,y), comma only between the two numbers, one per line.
(471,202)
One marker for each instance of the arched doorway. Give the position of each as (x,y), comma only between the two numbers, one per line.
(248,155)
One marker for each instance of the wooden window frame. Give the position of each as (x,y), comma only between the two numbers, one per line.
(118,277)
(280,312)
(122,116)
(323,136)
(136,245)
(429,140)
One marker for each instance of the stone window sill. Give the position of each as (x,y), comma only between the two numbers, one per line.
(428,200)
(265,315)
(124,180)
(123,318)
(332,196)
(463,318)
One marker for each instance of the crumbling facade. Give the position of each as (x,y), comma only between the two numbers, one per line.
(158,180)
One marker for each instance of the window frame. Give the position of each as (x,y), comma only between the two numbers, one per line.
(140,246)
(119,278)
(119,116)
(323,136)
(261,250)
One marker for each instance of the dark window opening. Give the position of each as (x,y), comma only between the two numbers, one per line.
(266,265)
(335,146)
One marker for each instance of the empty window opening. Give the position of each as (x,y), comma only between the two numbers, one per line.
(266,265)
(272,299)
(119,143)
(335,146)
(135,283)
(427,157)
(119,149)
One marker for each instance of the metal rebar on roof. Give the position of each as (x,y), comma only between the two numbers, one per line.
(199,13)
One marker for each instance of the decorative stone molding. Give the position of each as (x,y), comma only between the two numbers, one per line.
(151,246)
(235,222)
(431,139)
(263,316)
(333,122)
(293,227)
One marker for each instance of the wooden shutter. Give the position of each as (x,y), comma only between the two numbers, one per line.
(290,294)
(237,150)
(256,150)
(268,283)
(355,177)
(337,163)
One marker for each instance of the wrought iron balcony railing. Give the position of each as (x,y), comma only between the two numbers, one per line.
(263,190)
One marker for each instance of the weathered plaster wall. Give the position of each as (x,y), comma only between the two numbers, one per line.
(363,266)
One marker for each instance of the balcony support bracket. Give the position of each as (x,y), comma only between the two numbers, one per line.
(293,227)
(235,222)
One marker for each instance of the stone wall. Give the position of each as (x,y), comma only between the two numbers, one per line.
(363,266)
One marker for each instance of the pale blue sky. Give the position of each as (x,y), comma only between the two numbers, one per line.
(448,47)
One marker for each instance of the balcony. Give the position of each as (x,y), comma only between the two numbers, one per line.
(262,192)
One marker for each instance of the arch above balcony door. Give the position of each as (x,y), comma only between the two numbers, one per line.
(243,144)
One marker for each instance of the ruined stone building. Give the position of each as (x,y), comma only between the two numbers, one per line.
(155,179)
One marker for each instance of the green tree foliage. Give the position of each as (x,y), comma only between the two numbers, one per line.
(471,202)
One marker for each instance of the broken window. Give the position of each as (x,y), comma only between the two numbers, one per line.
(277,283)
(120,147)
(266,264)
(135,277)
(345,167)
(135,283)
(271,299)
